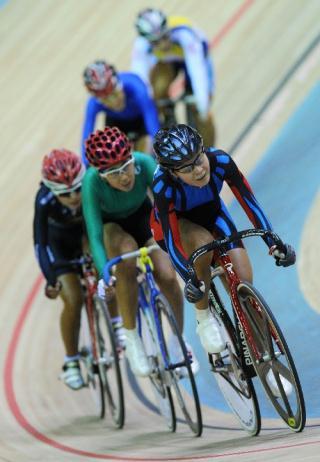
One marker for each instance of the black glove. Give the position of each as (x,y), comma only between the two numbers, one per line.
(285,256)
(192,292)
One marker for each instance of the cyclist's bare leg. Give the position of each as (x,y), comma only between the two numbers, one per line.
(161,77)
(166,277)
(72,297)
(143,144)
(118,242)
(192,237)
(112,304)
(205,127)
(241,263)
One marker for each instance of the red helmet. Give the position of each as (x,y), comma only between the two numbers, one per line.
(62,171)
(100,78)
(107,147)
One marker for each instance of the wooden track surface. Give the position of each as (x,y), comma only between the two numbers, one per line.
(44,46)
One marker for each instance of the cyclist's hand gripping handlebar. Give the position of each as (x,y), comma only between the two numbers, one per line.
(194,289)
(284,254)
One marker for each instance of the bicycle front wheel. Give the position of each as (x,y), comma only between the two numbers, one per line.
(159,377)
(237,389)
(179,367)
(272,359)
(109,363)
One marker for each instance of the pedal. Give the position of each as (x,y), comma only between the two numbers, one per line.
(219,366)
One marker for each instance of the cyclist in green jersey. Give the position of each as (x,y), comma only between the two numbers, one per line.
(117,209)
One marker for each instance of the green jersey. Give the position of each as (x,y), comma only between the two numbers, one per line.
(102,203)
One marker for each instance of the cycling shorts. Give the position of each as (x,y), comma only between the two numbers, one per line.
(138,223)
(134,129)
(202,216)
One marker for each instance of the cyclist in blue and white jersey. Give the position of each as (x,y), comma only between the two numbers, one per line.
(167,45)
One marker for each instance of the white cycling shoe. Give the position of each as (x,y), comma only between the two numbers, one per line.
(137,357)
(271,380)
(210,336)
(71,375)
(176,356)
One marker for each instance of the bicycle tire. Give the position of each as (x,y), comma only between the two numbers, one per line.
(182,378)
(158,377)
(109,363)
(90,370)
(272,346)
(235,386)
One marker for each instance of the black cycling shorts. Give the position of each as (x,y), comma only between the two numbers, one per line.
(134,129)
(137,224)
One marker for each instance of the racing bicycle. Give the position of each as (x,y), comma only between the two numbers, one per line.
(255,344)
(99,355)
(164,345)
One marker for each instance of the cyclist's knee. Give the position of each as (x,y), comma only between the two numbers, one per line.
(242,264)
(162,75)
(71,291)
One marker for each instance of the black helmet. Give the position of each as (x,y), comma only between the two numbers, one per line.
(176,145)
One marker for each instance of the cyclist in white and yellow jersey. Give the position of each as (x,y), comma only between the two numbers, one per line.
(167,45)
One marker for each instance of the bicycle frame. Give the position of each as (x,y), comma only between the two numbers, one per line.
(90,284)
(233,282)
(232,278)
(145,265)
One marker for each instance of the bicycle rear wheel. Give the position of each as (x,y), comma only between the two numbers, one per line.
(109,363)
(90,370)
(159,377)
(179,367)
(275,356)
(236,387)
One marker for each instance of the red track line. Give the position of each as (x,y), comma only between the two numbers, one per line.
(231,23)
(24,423)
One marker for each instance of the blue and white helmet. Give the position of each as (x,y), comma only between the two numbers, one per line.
(177,145)
(151,24)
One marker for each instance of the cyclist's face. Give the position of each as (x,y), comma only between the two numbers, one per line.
(115,100)
(72,200)
(196,173)
(163,44)
(121,176)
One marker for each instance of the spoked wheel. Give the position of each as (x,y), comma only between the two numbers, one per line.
(236,388)
(108,364)
(160,378)
(90,370)
(272,360)
(179,367)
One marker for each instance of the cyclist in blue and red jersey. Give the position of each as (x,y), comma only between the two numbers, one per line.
(167,46)
(189,212)
(124,99)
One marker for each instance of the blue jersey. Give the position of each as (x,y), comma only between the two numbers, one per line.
(173,199)
(138,104)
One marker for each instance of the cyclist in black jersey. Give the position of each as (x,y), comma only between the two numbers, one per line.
(189,211)
(58,236)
